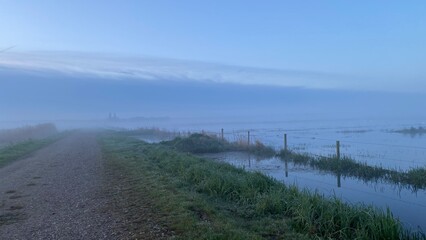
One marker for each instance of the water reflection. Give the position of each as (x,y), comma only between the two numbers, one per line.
(286,167)
(338,180)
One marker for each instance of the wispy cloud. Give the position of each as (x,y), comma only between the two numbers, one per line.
(151,68)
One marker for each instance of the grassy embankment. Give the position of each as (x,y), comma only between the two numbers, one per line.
(202,199)
(414,178)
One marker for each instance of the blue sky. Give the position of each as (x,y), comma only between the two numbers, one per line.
(372,41)
(83,59)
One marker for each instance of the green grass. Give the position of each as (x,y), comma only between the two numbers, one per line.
(414,178)
(16,151)
(202,199)
(202,143)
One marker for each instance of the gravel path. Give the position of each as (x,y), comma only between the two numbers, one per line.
(58,193)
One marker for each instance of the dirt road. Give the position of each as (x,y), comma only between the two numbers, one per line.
(59,193)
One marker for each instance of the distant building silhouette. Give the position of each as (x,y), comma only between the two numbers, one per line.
(112,117)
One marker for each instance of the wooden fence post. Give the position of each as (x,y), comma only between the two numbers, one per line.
(286,167)
(338,158)
(339,184)
(222,134)
(248,137)
(285,142)
(338,149)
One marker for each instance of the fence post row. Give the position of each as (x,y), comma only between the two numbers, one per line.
(286,143)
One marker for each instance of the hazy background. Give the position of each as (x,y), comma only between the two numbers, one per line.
(319,71)
(298,60)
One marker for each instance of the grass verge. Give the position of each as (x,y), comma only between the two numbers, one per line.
(16,151)
(201,199)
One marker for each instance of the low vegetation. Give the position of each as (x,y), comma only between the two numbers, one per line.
(412,131)
(203,143)
(16,151)
(414,178)
(202,199)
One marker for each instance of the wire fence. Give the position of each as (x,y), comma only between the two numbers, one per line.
(301,141)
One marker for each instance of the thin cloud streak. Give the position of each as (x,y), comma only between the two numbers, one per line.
(151,68)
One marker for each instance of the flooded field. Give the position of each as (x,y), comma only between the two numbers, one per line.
(376,147)
(373,141)
(405,204)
